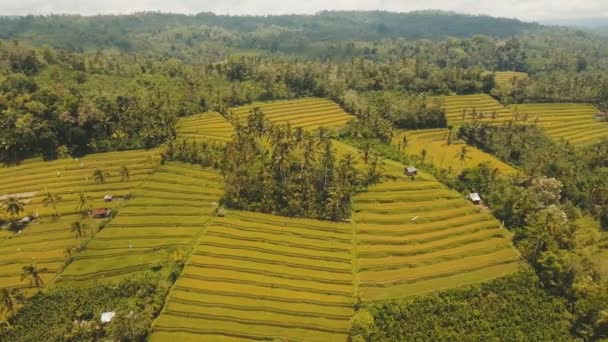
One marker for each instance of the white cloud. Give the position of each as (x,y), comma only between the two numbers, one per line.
(523,9)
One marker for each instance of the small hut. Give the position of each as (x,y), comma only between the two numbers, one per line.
(411,171)
(101,213)
(475,198)
(107,317)
(108,198)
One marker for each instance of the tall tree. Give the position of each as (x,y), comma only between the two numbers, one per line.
(51,200)
(32,274)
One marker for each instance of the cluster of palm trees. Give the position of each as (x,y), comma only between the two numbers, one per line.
(99,175)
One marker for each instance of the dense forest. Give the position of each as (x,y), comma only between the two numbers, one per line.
(72,85)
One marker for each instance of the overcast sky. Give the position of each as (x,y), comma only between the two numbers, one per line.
(531,10)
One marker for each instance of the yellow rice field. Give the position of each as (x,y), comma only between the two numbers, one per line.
(444,156)
(263,277)
(415,236)
(508,77)
(45,241)
(307,113)
(210,126)
(572,122)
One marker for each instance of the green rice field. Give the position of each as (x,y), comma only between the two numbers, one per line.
(168,211)
(307,113)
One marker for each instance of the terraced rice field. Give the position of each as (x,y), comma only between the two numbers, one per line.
(210,126)
(168,211)
(307,113)
(508,77)
(45,240)
(460,108)
(445,156)
(263,277)
(416,236)
(573,122)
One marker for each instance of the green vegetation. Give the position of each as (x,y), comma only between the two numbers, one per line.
(73,314)
(248,118)
(510,308)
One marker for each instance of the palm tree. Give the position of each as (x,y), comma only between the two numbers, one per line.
(8,298)
(423,154)
(463,154)
(79,229)
(83,205)
(69,253)
(14,206)
(51,200)
(32,274)
(99,176)
(125,174)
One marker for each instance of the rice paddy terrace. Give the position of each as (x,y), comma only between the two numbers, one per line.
(257,276)
(573,122)
(210,126)
(508,77)
(168,211)
(308,113)
(442,155)
(45,240)
(461,108)
(417,236)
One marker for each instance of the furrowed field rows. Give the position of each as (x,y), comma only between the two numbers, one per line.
(264,277)
(455,156)
(210,126)
(310,113)
(505,78)
(461,108)
(424,248)
(142,235)
(47,240)
(574,122)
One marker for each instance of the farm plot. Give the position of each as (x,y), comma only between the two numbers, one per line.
(508,77)
(168,212)
(416,236)
(456,156)
(262,277)
(48,240)
(209,126)
(573,122)
(308,113)
(462,108)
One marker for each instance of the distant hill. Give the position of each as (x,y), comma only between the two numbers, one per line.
(137,32)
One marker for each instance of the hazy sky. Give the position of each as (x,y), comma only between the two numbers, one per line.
(523,9)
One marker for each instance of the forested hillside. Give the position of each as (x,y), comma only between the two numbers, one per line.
(142,32)
(302,177)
